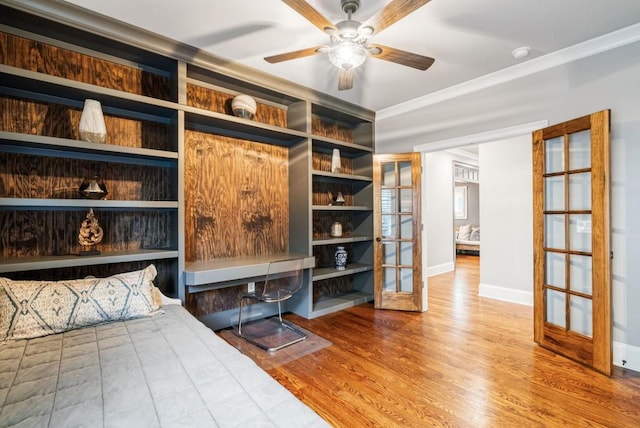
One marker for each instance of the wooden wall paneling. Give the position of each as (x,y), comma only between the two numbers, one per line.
(323,220)
(56,120)
(236,197)
(46,233)
(32,176)
(165,280)
(40,57)
(332,287)
(322,162)
(220,102)
(322,189)
(223,299)
(331,129)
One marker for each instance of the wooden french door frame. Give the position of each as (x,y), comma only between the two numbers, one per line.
(396,251)
(592,347)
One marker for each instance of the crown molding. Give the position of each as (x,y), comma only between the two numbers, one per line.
(606,42)
(483,137)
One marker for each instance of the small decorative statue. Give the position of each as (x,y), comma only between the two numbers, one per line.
(90,234)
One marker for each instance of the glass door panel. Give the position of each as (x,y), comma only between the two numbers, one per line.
(581,274)
(556,302)
(554,228)
(554,155)
(555,270)
(406,280)
(580,192)
(580,232)
(580,150)
(389,174)
(554,193)
(404,173)
(581,315)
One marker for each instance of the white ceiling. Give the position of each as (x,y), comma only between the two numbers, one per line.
(467,38)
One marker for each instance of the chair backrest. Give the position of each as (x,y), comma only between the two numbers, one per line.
(284,277)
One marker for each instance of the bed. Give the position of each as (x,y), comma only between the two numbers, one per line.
(160,370)
(468,239)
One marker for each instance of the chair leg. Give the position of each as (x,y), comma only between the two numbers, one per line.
(279,311)
(240,317)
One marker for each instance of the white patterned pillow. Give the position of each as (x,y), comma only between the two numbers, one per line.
(37,308)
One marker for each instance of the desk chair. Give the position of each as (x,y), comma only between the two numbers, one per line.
(283,279)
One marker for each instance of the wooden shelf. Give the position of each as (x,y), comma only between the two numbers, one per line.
(330,304)
(63,147)
(29,84)
(330,272)
(62,204)
(341,208)
(346,149)
(341,240)
(231,126)
(71,260)
(339,178)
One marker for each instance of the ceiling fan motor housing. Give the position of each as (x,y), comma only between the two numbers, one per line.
(350,6)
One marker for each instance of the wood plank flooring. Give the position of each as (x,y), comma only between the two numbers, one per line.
(467,362)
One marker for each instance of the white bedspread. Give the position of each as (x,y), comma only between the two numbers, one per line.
(161,371)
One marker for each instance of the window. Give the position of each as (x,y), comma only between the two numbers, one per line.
(460,203)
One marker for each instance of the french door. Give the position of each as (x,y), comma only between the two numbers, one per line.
(397,231)
(572,274)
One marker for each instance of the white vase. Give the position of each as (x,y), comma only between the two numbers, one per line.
(92,127)
(335,161)
(336,229)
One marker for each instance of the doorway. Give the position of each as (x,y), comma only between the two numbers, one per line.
(505,162)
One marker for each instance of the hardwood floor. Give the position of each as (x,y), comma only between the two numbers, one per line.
(467,362)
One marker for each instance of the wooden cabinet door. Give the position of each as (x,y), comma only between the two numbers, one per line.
(397,230)
(572,274)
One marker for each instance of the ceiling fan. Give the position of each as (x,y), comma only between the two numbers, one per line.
(349,46)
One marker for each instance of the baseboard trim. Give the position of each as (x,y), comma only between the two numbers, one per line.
(626,356)
(438,269)
(506,294)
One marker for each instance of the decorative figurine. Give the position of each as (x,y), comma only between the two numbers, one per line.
(90,234)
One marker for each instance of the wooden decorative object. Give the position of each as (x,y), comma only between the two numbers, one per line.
(90,235)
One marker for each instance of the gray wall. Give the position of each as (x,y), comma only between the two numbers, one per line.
(607,80)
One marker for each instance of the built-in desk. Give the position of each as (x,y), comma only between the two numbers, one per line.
(220,273)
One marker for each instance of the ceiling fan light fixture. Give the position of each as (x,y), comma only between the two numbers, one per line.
(347,55)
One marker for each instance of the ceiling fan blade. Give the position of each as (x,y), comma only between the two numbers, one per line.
(312,15)
(345,80)
(393,12)
(401,57)
(294,54)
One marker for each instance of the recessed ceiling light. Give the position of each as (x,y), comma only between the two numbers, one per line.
(521,52)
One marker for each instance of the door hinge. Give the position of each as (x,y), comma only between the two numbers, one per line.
(611,255)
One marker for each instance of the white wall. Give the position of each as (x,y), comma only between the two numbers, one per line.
(437,203)
(506,210)
(606,80)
